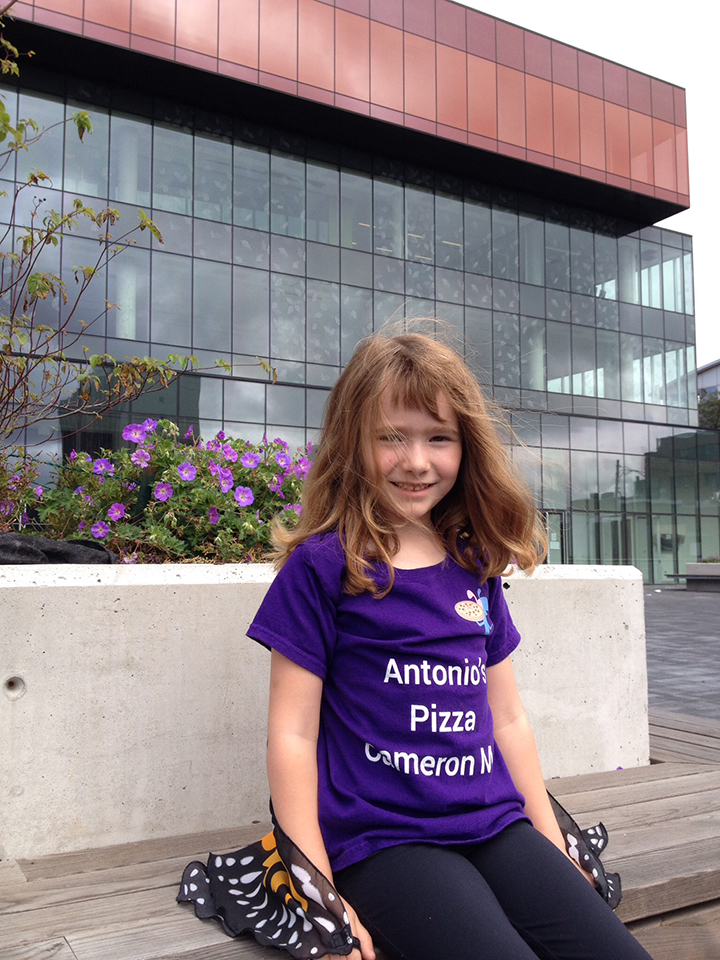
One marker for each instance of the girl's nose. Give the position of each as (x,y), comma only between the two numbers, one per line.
(415,458)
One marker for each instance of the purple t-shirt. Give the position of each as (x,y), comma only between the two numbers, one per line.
(406,750)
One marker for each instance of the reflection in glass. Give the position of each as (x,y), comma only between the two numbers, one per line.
(688,272)
(388,218)
(650,274)
(244,401)
(532,354)
(86,160)
(532,250)
(629,272)
(287,313)
(287,195)
(478,238)
(286,405)
(419,224)
(582,266)
(556,479)
(129,290)
(251,187)
(171,299)
(631,367)
(448,231)
(356,318)
(130,159)
(506,350)
(172,169)
(606,267)
(558,357)
(653,372)
(608,364)
(323,202)
(323,322)
(557,256)
(356,210)
(213,179)
(672,279)
(212,312)
(251,312)
(47,153)
(505,243)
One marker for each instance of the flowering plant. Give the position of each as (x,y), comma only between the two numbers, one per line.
(171,499)
(19,491)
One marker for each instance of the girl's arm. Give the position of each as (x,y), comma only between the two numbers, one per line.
(294,720)
(517,745)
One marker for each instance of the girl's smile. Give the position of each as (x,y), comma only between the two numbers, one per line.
(419,456)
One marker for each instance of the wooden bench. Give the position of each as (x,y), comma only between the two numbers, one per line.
(118,903)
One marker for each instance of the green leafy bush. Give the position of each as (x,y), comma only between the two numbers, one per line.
(172,499)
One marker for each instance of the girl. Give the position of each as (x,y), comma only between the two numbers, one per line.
(400,759)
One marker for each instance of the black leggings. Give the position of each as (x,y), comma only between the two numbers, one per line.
(515,897)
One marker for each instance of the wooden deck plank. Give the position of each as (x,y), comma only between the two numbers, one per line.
(10,874)
(683,721)
(678,749)
(567,786)
(48,950)
(626,795)
(661,836)
(194,846)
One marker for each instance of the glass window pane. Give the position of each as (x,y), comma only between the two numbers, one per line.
(650,274)
(689,301)
(532,354)
(130,159)
(506,350)
(448,231)
(558,357)
(287,317)
(631,367)
(672,270)
(557,256)
(323,322)
(582,261)
(47,153)
(356,210)
(532,250)
(388,218)
(478,238)
(584,363)
(213,179)
(584,479)
(555,479)
(419,225)
(172,169)
(251,312)
(171,299)
(505,243)
(86,160)
(629,269)
(129,290)
(608,364)
(653,371)
(606,267)
(287,195)
(251,187)
(356,318)
(478,343)
(323,203)
(212,305)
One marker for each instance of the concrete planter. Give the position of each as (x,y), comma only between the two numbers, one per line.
(703,577)
(132,705)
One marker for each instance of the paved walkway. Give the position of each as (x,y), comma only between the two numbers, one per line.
(683,650)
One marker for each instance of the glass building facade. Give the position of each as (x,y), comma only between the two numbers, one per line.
(290,246)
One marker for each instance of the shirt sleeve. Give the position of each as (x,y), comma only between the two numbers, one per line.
(297,616)
(504,637)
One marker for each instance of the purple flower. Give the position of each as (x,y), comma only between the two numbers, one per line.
(220,434)
(163,491)
(88,499)
(250,460)
(116,511)
(150,426)
(229,453)
(276,485)
(102,465)
(130,485)
(141,458)
(283,460)
(186,471)
(282,443)
(81,526)
(79,490)
(213,515)
(135,432)
(213,446)
(189,434)
(244,496)
(130,558)
(13,482)
(73,455)
(6,507)
(302,467)
(225,476)
(100,530)
(38,491)
(297,507)
(24,520)
(213,468)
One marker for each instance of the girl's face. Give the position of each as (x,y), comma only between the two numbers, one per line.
(419,457)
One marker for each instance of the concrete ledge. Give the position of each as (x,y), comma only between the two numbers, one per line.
(132,706)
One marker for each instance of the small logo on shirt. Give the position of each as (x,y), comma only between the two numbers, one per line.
(475,609)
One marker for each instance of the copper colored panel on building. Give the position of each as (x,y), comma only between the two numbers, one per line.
(639,92)
(71,8)
(510,45)
(482,97)
(240,32)
(567,123)
(617,138)
(197,26)
(420,77)
(664,155)
(154,19)
(110,13)
(565,65)
(615,83)
(451,87)
(386,66)
(663,105)
(450,24)
(481,34)
(511,105)
(592,132)
(419,18)
(590,74)
(538,55)
(278,37)
(389,12)
(538,97)
(352,56)
(316,44)
(681,156)
(641,147)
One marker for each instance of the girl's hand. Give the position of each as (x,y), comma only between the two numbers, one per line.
(366,950)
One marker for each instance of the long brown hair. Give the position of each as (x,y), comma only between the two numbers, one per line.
(487,521)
